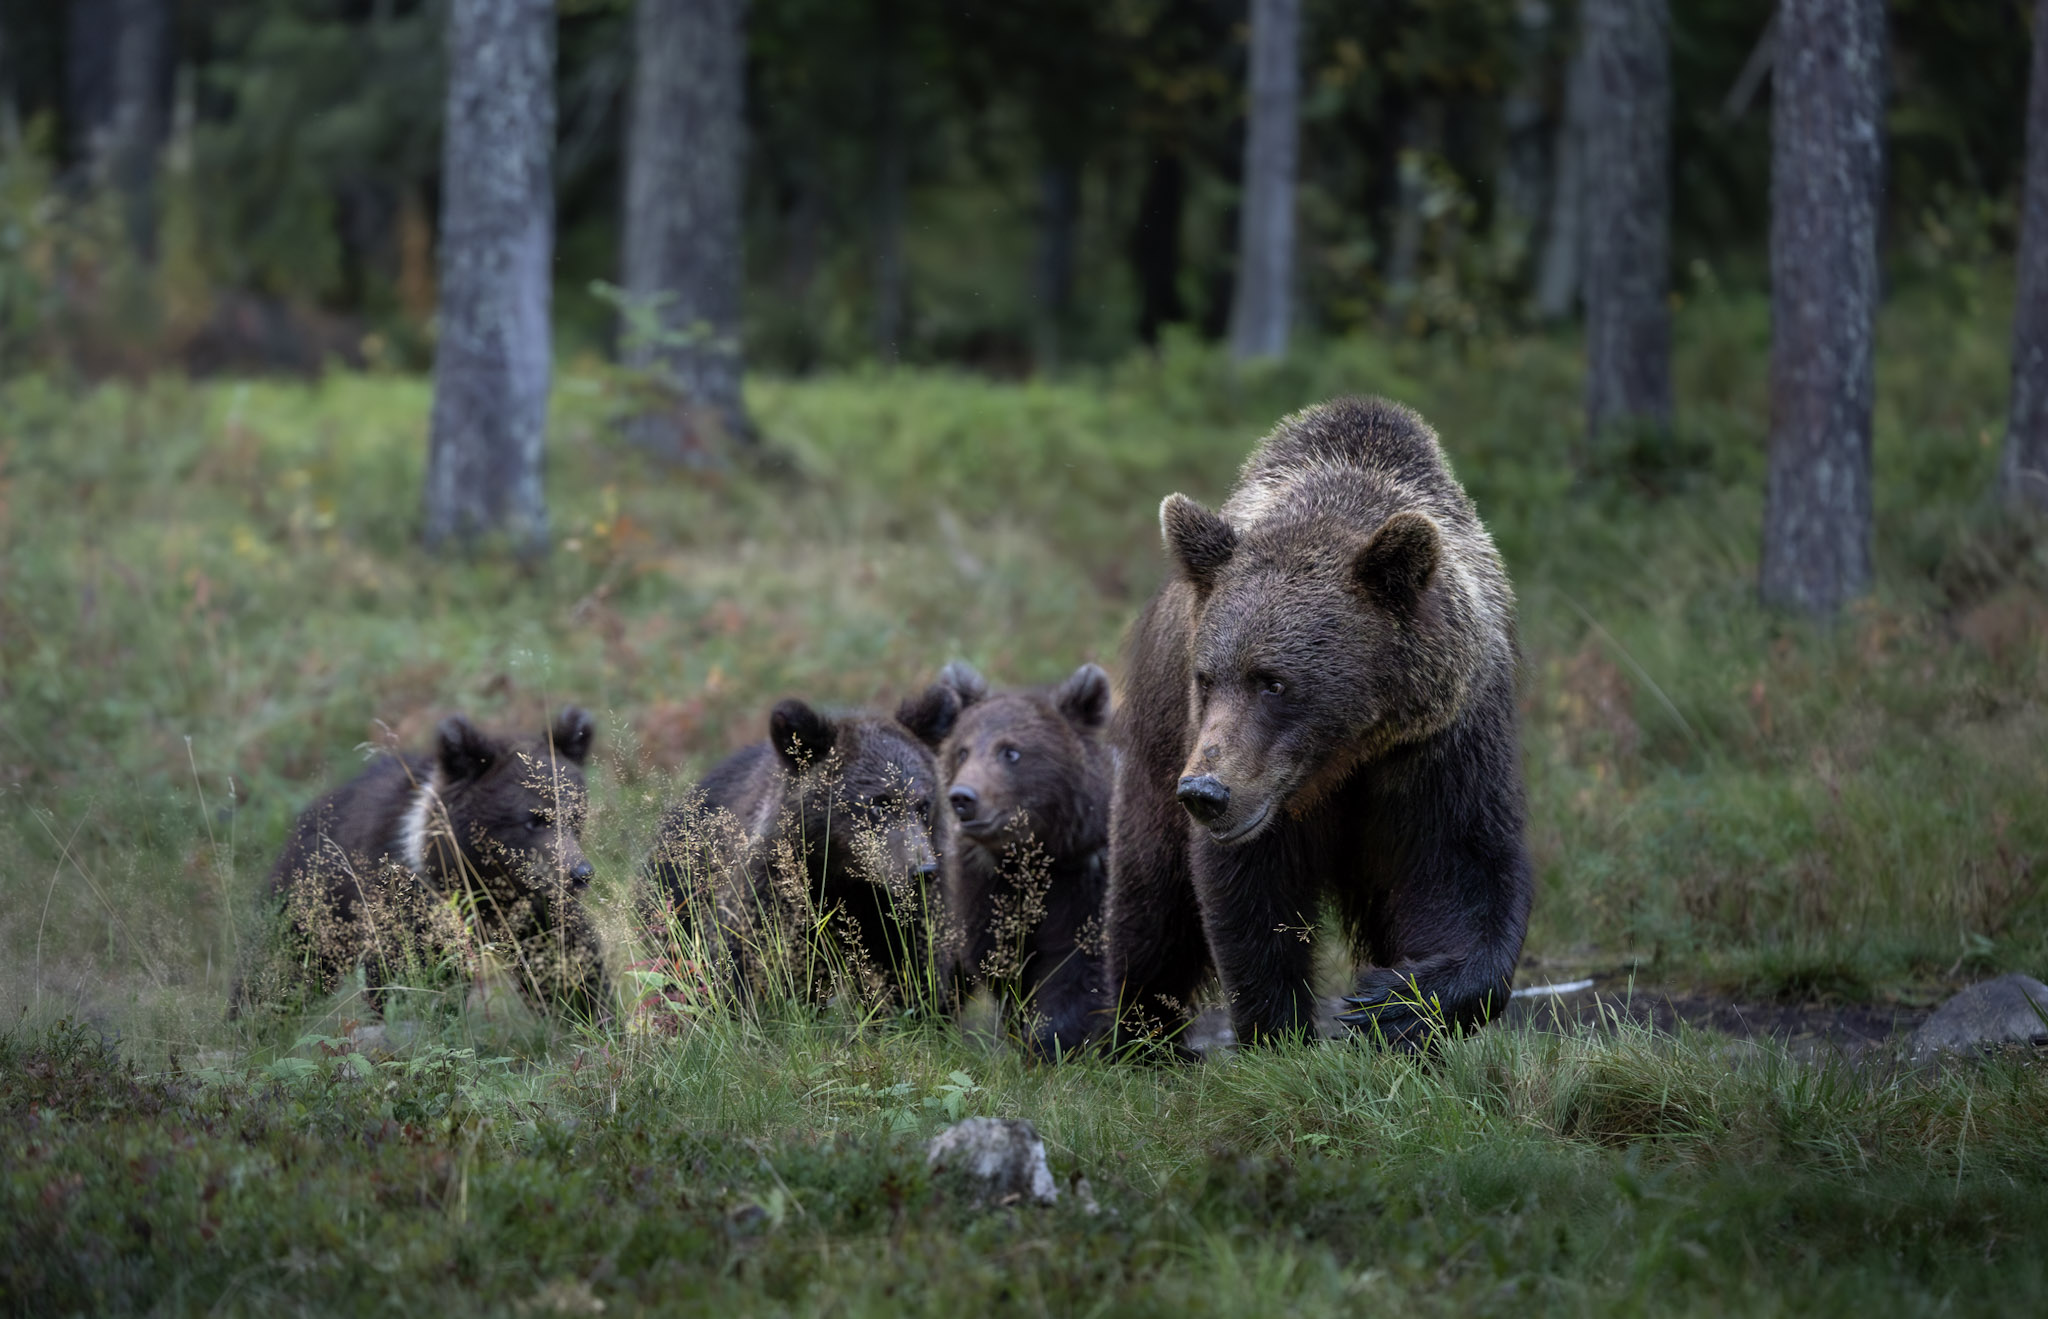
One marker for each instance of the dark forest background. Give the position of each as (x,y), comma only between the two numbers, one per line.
(237,184)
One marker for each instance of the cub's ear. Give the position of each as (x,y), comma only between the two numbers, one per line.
(1200,541)
(1399,562)
(1084,697)
(965,679)
(931,715)
(463,749)
(572,733)
(800,734)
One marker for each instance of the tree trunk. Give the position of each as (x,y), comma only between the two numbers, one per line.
(1559,280)
(493,357)
(1059,209)
(119,88)
(1155,245)
(684,182)
(1827,125)
(892,175)
(1525,142)
(1262,310)
(2023,478)
(1628,215)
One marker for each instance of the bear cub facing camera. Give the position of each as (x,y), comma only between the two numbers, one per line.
(1321,704)
(1028,781)
(831,824)
(422,857)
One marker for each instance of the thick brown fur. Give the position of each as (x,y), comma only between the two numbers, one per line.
(832,821)
(478,840)
(1328,680)
(1027,775)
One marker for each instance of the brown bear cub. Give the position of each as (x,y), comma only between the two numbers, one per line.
(830,825)
(1028,777)
(1320,703)
(475,843)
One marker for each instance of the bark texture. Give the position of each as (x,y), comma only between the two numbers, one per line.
(1627,166)
(1826,176)
(684,181)
(1052,273)
(892,181)
(2023,478)
(1263,309)
(1558,270)
(493,357)
(119,92)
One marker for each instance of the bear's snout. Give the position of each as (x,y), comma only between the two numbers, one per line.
(965,801)
(1204,796)
(580,873)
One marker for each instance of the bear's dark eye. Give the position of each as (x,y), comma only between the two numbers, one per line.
(1203,682)
(1012,755)
(960,755)
(536,821)
(1269,685)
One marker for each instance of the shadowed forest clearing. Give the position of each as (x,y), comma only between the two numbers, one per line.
(1720,801)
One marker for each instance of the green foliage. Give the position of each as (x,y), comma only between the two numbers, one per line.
(1717,796)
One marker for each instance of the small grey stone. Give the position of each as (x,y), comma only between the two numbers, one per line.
(1002,1158)
(2007,1010)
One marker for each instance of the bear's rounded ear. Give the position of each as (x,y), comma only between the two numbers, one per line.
(463,749)
(931,714)
(572,733)
(1084,697)
(800,734)
(965,679)
(1200,541)
(1398,563)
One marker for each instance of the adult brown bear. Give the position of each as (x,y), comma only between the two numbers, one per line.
(1321,704)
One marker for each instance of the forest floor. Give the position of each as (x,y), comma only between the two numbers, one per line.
(212,600)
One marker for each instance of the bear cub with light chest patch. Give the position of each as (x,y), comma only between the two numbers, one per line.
(492,823)
(1028,779)
(833,819)
(1320,704)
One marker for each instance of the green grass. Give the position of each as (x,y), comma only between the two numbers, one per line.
(211,597)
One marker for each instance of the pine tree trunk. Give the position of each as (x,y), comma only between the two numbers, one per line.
(684,182)
(2023,478)
(892,180)
(1628,214)
(1559,278)
(1827,126)
(118,95)
(493,358)
(1262,310)
(1155,245)
(1059,210)
(1525,143)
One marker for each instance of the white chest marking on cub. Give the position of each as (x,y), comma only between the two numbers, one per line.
(424,821)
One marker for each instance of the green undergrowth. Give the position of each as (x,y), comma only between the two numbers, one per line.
(213,603)
(778,1167)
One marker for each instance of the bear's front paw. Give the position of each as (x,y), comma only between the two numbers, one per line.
(1391,1009)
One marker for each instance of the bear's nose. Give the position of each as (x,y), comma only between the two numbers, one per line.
(1205,798)
(964,799)
(926,872)
(580,873)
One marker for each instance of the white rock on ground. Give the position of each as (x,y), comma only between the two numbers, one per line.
(2008,1010)
(1002,1157)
